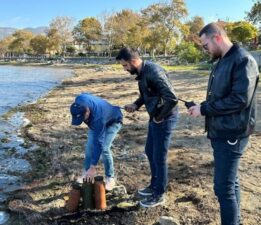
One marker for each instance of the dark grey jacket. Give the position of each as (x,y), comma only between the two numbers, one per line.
(230,106)
(156,91)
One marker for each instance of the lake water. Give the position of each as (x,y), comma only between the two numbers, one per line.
(19,85)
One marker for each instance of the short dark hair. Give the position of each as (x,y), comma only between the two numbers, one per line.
(127,54)
(212,28)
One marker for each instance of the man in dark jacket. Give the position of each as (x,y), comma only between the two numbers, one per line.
(104,121)
(229,110)
(160,101)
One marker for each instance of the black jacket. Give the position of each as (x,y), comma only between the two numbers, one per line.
(156,91)
(230,106)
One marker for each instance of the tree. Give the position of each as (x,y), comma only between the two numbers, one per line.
(124,28)
(255,13)
(39,44)
(167,19)
(188,53)
(54,41)
(153,41)
(88,30)
(21,42)
(194,27)
(4,44)
(136,36)
(70,49)
(63,26)
(242,31)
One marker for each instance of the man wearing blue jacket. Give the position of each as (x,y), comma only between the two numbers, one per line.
(104,121)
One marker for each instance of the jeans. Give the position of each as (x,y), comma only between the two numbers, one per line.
(156,149)
(110,135)
(227,155)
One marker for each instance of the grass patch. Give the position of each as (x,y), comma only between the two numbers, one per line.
(173,68)
(187,67)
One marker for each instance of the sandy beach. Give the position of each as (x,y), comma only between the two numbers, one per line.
(58,160)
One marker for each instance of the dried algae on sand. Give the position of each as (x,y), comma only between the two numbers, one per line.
(58,161)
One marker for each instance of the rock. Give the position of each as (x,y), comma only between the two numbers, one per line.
(26,123)
(142,157)
(119,191)
(165,220)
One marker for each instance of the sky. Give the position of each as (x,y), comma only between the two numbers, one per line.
(34,13)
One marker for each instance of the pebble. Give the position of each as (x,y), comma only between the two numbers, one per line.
(165,220)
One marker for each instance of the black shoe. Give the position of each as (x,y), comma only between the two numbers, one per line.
(147,191)
(153,201)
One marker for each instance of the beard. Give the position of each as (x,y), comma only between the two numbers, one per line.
(133,70)
(216,54)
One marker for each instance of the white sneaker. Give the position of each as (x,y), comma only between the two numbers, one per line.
(80,178)
(109,183)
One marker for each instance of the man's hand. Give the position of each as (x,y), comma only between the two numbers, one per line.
(130,108)
(194,111)
(90,174)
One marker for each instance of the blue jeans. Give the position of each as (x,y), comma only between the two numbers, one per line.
(156,149)
(110,135)
(227,154)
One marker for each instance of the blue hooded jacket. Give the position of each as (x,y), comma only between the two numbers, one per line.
(102,115)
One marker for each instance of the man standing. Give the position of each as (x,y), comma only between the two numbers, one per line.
(229,111)
(160,101)
(104,121)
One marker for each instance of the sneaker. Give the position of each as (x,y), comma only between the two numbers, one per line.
(147,191)
(81,177)
(109,183)
(153,201)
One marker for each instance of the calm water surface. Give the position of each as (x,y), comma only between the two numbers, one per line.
(25,84)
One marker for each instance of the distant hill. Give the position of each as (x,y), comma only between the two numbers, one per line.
(6,31)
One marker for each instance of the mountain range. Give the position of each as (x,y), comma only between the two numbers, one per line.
(7,31)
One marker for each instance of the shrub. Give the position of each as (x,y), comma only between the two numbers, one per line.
(188,53)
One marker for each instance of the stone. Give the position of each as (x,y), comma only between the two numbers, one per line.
(119,191)
(166,220)
(142,157)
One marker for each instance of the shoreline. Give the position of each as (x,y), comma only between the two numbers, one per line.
(58,160)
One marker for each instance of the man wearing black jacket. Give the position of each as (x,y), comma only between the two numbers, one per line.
(229,111)
(158,96)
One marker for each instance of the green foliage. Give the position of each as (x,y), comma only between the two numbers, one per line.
(70,49)
(188,53)
(21,42)
(54,41)
(124,28)
(39,44)
(88,30)
(164,20)
(242,31)
(194,26)
(4,44)
(255,14)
